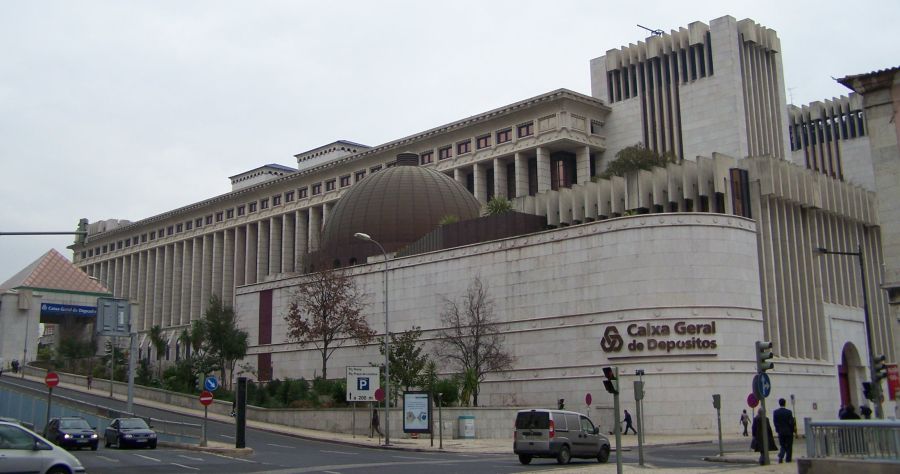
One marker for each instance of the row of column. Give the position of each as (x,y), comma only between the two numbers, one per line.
(173,282)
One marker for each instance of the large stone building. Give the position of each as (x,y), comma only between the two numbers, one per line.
(676,271)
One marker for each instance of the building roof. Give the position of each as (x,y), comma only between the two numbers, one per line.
(53,271)
(870,81)
(270,165)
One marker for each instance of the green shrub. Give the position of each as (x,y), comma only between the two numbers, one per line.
(449,388)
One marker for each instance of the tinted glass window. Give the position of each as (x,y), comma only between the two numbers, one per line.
(559,421)
(133,424)
(74,424)
(14,438)
(572,421)
(533,420)
(586,425)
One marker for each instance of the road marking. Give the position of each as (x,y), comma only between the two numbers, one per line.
(337,452)
(280,445)
(108,459)
(186,467)
(148,457)
(226,436)
(332,472)
(411,457)
(189,457)
(235,459)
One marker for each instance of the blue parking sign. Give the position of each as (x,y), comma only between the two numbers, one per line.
(362,383)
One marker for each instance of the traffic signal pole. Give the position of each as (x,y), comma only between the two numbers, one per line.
(612,386)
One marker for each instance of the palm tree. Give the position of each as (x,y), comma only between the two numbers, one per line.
(159,345)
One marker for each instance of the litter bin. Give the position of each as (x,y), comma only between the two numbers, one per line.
(466,427)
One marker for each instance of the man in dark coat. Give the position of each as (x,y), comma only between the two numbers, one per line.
(784,425)
(628,424)
(757,428)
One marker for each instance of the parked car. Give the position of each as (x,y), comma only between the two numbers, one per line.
(26,424)
(72,432)
(558,434)
(23,450)
(124,432)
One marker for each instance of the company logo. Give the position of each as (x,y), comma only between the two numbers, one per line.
(612,341)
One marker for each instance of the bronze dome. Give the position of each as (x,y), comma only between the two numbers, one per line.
(395,206)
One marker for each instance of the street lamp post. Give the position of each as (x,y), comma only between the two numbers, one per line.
(387,341)
(876,385)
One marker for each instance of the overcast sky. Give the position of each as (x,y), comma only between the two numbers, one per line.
(126,109)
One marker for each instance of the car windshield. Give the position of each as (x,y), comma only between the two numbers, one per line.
(533,420)
(133,424)
(74,424)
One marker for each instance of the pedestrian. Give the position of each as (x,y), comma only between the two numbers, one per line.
(628,423)
(234,407)
(756,441)
(865,411)
(90,381)
(375,427)
(850,413)
(745,421)
(15,366)
(785,423)
(1,366)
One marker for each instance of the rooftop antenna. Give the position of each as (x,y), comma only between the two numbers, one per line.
(791,93)
(652,31)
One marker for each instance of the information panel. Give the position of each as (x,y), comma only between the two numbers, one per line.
(416,412)
(362,383)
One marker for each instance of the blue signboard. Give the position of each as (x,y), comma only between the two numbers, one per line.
(53,309)
(211,383)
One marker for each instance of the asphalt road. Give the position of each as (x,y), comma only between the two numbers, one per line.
(283,453)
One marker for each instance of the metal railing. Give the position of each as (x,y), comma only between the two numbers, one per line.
(862,439)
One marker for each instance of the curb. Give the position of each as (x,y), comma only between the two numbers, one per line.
(725,460)
(239,452)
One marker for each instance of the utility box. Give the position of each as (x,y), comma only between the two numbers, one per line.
(466,427)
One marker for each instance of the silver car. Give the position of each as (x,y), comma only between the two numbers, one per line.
(558,434)
(23,450)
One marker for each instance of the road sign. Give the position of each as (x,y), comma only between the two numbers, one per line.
(379,394)
(206,397)
(211,383)
(51,379)
(362,382)
(762,386)
(588,399)
(752,401)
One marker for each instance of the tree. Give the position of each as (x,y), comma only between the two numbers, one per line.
(406,358)
(159,345)
(636,157)
(223,341)
(470,338)
(498,205)
(326,312)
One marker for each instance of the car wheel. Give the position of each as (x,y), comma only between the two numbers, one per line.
(58,470)
(603,456)
(525,459)
(119,443)
(153,446)
(106,443)
(564,455)
(94,446)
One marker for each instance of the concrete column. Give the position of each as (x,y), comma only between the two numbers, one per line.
(262,244)
(326,211)
(158,282)
(543,169)
(166,309)
(177,284)
(500,178)
(288,229)
(301,246)
(480,182)
(104,273)
(140,290)
(119,273)
(217,273)
(187,278)
(133,277)
(250,262)
(126,276)
(315,228)
(206,272)
(275,228)
(228,268)
(459,176)
(196,276)
(240,255)
(521,162)
(583,164)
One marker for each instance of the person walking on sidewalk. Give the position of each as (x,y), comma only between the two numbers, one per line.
(745,420)
(756,441)
(784,426)
(376,424)
(90,381)
(627,422)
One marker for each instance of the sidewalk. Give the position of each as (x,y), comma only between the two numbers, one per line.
(730,462)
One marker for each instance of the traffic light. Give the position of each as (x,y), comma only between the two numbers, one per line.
(867,391)
(879,371)
(561,404)
(763,354)
(612,381)
(717,401)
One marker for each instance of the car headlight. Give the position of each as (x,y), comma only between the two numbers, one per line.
(67,436)
(153,435)
(94,436)
(128,436)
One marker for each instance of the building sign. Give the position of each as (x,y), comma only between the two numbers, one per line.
(52,309)
(362,382)
(416,412)
(680,337)
(893,381)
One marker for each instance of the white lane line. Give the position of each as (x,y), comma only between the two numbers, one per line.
(337,452)
(332,472)
(280,445)
(226,436)
(108,459)
(190,457)
(186,467)
(234,459)
(148,457)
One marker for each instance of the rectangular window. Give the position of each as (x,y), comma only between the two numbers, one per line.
(264,203)
(317,189)
(220,216)
(162,233)
(83,255)
(289,196)
(251,207)
(276,200)
(127,243)
(463,147)
(375,169)
(119,245)
(189,225)
(596,126)
(90,253)
(209,219)
(483,141)
(198,222)
(143,238)
(329,185)
(391,164)
(179,227)
(345,181)
(104,249)
(504,135)
(303,192)
(152,235)
(445,152)
(426,157)
(241,210)
(229,214)
(360,175)
(525,130)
